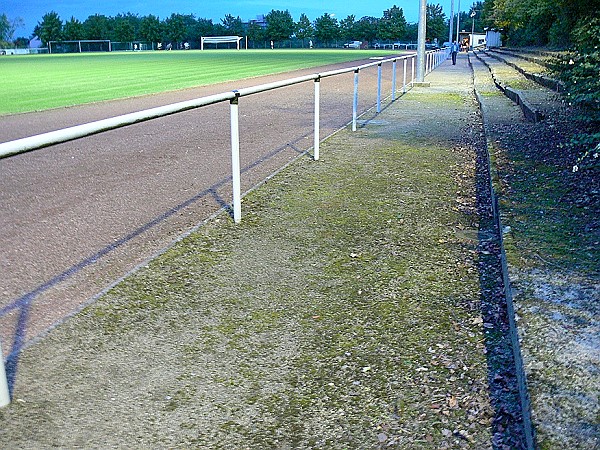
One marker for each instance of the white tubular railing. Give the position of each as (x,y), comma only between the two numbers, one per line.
(79,131)
(4,392)
(68,134)
(76,132)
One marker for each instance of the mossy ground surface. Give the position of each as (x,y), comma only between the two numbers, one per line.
(343,312)
(552,246)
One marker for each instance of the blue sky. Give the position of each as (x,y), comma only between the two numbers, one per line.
(31,11)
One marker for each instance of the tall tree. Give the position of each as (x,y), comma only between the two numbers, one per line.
(204,27)
(280,25)
(256,33)
(393,24)
(348,29)
(8,28)
(219,30)
(125,27)
(21,42)
(366,28)
(190,23)
(537,22)
(412,32)
(6,33)
(304,29)
(151,29)
(97,27)
(436,23)
(326,28)
(50,28)
(487,14)
(73,30)
(233,25)
(175,28)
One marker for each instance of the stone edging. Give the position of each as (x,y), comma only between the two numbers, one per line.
(525,402)
(532,114)
(543,80)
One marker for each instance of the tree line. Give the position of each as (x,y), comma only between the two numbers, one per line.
(523,23)
(278,26)
(551,23)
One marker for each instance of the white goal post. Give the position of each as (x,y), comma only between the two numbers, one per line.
(219,40)
(80,46)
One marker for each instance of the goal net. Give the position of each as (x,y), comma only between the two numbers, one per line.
(220,40)
(79,46)
(130,46)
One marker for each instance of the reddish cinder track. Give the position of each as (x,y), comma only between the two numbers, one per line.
(80,215)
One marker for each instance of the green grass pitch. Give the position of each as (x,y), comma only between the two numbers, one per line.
(39,82)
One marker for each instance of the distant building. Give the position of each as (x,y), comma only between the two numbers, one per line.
(35,42)
(465,38)
(260,21)
(493,38)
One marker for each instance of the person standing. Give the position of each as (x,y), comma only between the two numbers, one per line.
(454,49)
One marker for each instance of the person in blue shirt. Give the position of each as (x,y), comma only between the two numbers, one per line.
(454,49)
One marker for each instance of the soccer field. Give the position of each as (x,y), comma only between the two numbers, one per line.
(38,82)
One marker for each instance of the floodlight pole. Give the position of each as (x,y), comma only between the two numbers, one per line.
(472,30)
(421,41)
(458,23)
(451,25)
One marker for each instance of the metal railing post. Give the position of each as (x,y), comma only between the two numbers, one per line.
(404,76)
(317,118)
(378,88)
(393,80)
(4,393)
(412,76)
(355,101)
(235,160)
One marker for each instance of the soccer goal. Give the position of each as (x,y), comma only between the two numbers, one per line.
(219,40)
(79,46)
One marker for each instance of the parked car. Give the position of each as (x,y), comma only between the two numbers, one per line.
(353,44)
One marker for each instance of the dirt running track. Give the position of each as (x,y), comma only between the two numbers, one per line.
(80,215)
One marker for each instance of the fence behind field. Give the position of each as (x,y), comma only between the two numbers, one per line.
(433,59)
